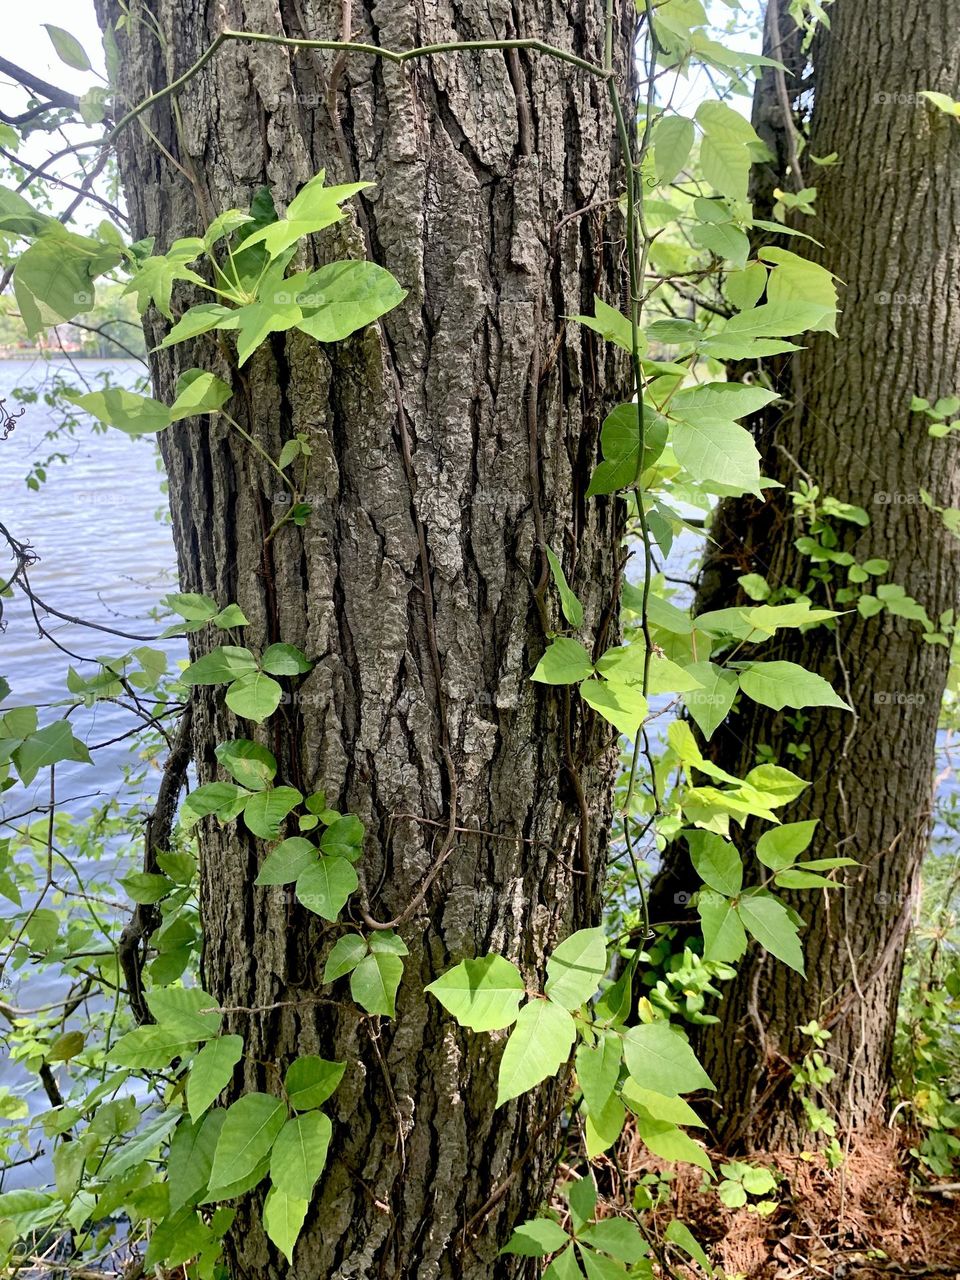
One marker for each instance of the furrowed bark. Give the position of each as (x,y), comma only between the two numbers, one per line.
(884,217)
(447,444)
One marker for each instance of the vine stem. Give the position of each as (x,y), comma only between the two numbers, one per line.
(397,56)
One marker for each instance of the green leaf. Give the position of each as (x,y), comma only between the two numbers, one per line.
(116,407)
(672,142)
(284,660)
(536,1238)
(669,1142)
(564,662)
(249,1132)
(785,684)
(343,297)
(571,606)
(622,705)
(658,1057)
(199,319)
(211,1072)
(775,320)
(538,1046)
(254,696)
(603,1128)
(287,861)
(800,878)
(299,1154)
(68,47)
(724,938)
(716,861)
(179,1011)
(718,453)
(49,745)
(220,798)
(582,1197)
(658,1105)
(149,1048)
(729,400)
(708,706)
(620,441)
(154,277)
(252,765)
(575,968)
(609,322)
(66,1046)
(781,846)
(220,666)
(770,922)
(231,616)
(283,1219)
(310,1081)
(343,837)
(482,994)
(325,886)
(564,1266)
(374,982)
(190,1158)
(314,208)
(256,321)
(598,1069)
(265,811)
(224,225)
(197,393)
(679,1234)
(345,955)
(618,1237)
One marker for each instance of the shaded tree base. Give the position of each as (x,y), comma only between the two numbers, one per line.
(867,1219)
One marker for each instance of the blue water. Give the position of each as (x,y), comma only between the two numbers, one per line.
(103,555)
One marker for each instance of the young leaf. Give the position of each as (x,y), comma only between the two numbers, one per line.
(185,1011)
(565,661)
(287,861)
(314,208)
(716,861)
(538,1046)
(708,705)
(283,1218)
(374,982)
(343,297)
(265,810)
(197,393)
(346,954)
(68,47)
(571,606)
(284,660)
(220,666)
(672,142)
(536,1238)
(482,994)
(621,705)
(718,453)
(575,968)
(211,1072)
(781,846)
(116,407)
(252,765)
(785,684)
(254,696)
(724,938)
(598,1069)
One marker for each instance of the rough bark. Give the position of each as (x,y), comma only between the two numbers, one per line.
(886,216)
(447,446)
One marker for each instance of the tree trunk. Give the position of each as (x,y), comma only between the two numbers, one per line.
(449,446)
(886,216)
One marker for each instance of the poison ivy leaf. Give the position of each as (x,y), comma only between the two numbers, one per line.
(310,1081)
(582,1198)
(538,1046)
(254,696)
(659,1058)
(603,1127)
(716,861)
(482,994)
(536,1238)
(565,661)
(620,442)
(575,968)
(800,878)
(68,47)
(149,1048)
(283,1218)
(374,982)
(678,1233)
(249,1132)
(674,1110)
(778,786)
(343,297)
(140,1147)
(618,1237)
(770,922)
(775,320)
(314,208)
(211,1072)
(724,938)
(716,452)
(729,400)
(622,705)
(781,846)
(669,1142)
(287,861)
(299,1154)
(221,798)
(116,407)
(66,1046)
(346,954)
(343,838)
(265,810)
(598,1069)
(220,666)
(795,279)
(324,887)
(252,765)
(564,1266)
(187,1012)
(745,288)
(785,684)
(190,1157)
(672,143)
(197,393)
(284,660)
(571,606)
(49,745)
(708,705)
(609,322)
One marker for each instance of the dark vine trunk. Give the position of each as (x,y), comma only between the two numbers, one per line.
(448,447)
(887,213)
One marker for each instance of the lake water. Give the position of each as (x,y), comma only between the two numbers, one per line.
(103,555)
